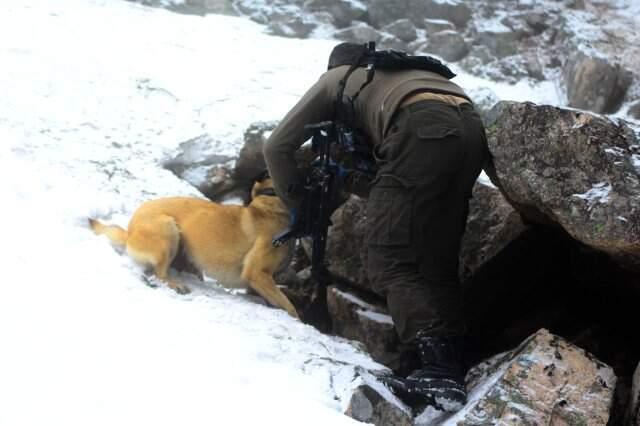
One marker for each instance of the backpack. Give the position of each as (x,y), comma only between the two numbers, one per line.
(350,138)
(374,59)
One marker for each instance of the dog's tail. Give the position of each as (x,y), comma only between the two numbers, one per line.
(116,234)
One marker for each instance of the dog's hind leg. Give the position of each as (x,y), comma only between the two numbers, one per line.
(155,242)
(259,265)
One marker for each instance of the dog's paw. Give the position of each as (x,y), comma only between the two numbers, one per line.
(180,288)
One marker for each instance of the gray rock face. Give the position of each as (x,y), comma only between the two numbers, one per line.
(484,99)
(346,253)
(202,7)
(218,176)
(372,403)
(360,33)
(595,83)
(290,25)
(492,224)
(573,169)
(403,29)
(546,380)
(436,25)
(250,160)
(633,416)
(343,13)
(634,110)
(382,12)
(197,163)
(366,322)
(500,43)
(448,44)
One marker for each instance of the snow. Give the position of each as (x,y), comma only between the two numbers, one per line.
(376,316)
(635,160)
(599,193)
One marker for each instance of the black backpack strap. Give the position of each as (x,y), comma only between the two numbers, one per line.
(365,58)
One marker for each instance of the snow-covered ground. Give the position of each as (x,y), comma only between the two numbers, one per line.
(95,94)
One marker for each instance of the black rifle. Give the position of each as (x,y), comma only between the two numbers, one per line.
(320,195)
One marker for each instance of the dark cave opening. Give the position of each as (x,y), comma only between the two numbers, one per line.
(546,279)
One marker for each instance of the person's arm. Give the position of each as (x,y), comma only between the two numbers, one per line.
(315,106)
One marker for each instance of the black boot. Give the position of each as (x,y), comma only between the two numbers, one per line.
(440,380)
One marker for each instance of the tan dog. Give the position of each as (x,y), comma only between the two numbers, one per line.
(229,243)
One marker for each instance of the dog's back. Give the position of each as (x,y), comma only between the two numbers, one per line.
(227,242)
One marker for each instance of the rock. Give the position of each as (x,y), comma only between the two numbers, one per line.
(501,43)
(366,322)
(436,25)
(383,12)
(534,66)
(196,162)
(360,33)
(203,7)
(343,13)
(633,416)
(546,380)
(389,41)
(290,25)
(634,110)
(537,21)
(403,29)
(372,403)
(576,4)
(346,252)
(454,11)
(448,44)
(492,224)
(483,99)
(477,59)
(217,176)
(571,169)
(594,83)
(250,161)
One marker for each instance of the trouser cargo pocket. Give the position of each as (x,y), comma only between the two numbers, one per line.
(389,213)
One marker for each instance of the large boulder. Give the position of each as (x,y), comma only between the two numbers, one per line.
(546,380)
(595,83)
(571,169)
